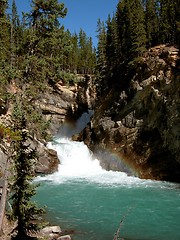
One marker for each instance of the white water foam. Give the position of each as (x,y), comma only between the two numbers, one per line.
(77,164)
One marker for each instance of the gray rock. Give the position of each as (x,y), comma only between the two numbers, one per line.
(66,237)
(47,158)
(51,230)
(3,159)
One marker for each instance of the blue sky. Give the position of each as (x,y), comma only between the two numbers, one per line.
(81,14)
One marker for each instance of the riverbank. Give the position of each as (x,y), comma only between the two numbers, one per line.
(48,232)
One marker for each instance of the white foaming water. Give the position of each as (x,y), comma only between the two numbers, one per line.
(77,164)
(76,159)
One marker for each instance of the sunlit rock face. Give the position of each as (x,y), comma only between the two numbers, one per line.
(62,103)
(141,120)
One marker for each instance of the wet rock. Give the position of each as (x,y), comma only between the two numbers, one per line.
(66,237)
(47,160)
(51,229)
(50,232)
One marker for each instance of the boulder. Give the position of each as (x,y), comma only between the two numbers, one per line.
(51,230)
(66,237)
(48,161)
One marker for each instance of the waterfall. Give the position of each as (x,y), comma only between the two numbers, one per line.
(77,161)
(78,164)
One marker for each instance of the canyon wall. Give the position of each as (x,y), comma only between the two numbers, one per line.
(140,120)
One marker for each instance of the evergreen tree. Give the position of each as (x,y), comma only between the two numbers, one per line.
(169,20)
(86,59)
(82,51)
(43,40)
(45,13)
(15,17)
(4,33)
(131,29)
(164,21)
(67,51)
(16,34)
(101,48)
(5,49)
(122,22)
(3,7)
(151,21)
(74,54)
(91,57)
(24,210)
(111,44)
(177,22)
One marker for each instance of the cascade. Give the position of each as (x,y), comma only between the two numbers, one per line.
(77,161)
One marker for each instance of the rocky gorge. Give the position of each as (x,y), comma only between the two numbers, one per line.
(138,121)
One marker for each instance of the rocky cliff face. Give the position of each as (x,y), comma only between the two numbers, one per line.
(140,121)
(66,103)
(58,103)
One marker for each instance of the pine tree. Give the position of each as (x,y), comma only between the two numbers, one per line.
(4,32)
(177,22)
(16,34)
(75,53)
(111,44)
(101,48)
(5,49)
(45,13)
(44,41)
(122,23)
(24,210)
(86,57)
(3,7)
(82,54)
(151,21)
(131,29)
(168,18)
(91,57)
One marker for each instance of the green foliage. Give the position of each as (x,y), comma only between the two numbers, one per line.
(68,79)
(3,7)
(151,22)
(101,49)
(86,58)
(111,44)
(24,210)
(8,134)
(44,15)
(131,29)
(38,127)
(5,29)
